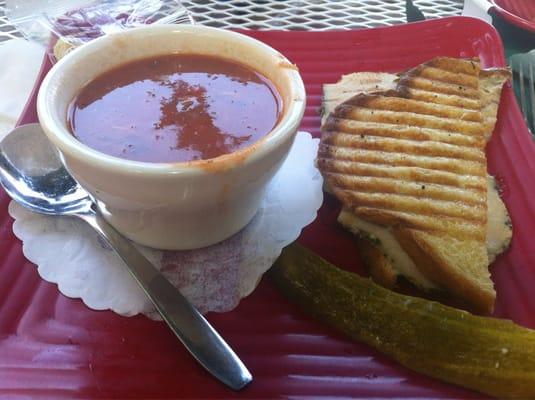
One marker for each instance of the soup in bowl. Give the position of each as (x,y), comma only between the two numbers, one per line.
(175,108)
(175,130)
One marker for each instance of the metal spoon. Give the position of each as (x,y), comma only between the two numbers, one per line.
(33,175)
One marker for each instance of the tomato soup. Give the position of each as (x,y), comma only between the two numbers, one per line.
(175,108)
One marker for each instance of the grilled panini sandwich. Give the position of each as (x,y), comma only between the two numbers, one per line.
(405,155)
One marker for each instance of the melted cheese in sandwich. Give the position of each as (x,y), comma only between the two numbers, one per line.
(386,242)
(498,237)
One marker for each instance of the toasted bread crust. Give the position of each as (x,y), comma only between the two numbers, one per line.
(441,144)
(379,266)
(433,264)
(367,82)
(445,102)
(427,223)
(413,159)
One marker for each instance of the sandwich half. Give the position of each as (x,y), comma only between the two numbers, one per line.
(405,155)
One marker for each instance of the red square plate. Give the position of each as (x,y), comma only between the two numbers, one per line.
(52,346)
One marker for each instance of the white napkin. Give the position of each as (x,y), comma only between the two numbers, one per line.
(21,61)
(478,9)
(216,278)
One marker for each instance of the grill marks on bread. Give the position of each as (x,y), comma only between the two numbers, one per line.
(409,158)
(414,154)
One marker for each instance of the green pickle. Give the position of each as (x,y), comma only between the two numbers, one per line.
(493,356)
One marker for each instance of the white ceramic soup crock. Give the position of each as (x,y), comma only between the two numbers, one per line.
(172,206)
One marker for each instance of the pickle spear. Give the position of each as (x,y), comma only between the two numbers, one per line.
(493,356)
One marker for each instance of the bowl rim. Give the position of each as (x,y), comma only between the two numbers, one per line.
(62,138)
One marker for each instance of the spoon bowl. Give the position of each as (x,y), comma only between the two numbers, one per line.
(33,175)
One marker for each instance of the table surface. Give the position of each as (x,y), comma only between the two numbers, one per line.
(294,14)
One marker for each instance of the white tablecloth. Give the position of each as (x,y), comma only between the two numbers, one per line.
(20,62)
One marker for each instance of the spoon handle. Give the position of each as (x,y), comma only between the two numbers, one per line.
(197,335)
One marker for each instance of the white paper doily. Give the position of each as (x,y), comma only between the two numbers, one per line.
(69,253)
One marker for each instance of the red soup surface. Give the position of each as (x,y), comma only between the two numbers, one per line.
(175,108)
